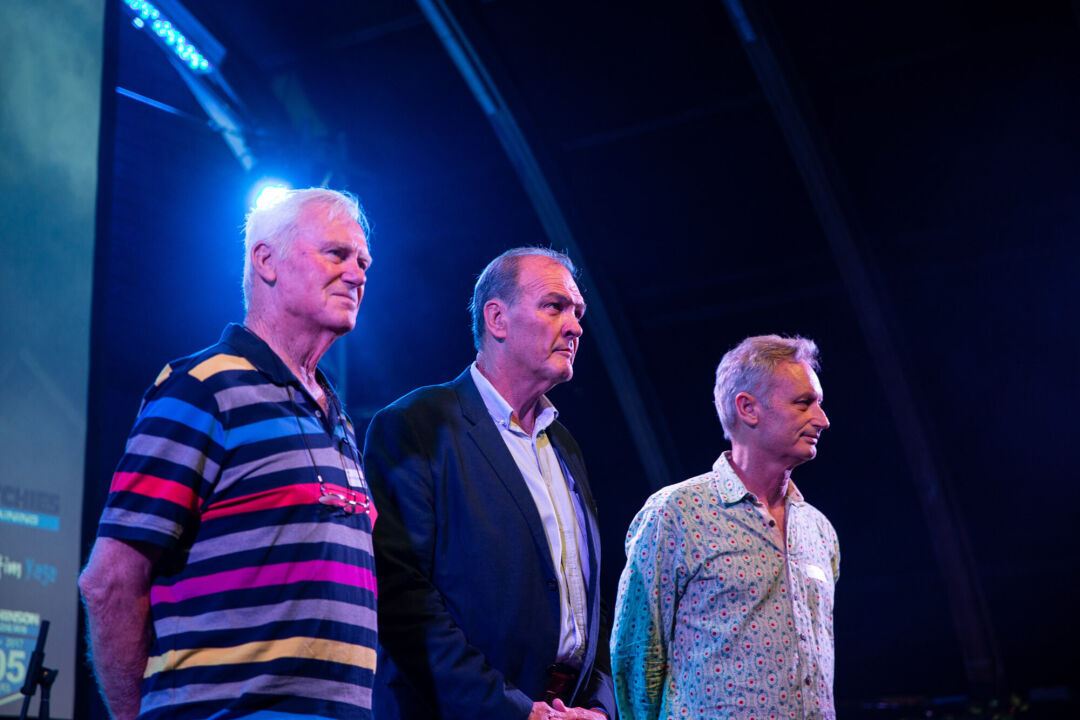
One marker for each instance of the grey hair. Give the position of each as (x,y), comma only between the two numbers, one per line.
(749,367)
(278,224)
(499,281)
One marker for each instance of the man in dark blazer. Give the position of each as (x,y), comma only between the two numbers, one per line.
(487,548)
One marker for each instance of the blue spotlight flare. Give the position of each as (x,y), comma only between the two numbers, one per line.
(145,12)
(270,195)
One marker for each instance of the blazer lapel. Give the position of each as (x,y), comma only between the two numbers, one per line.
(483,432)
(566,448)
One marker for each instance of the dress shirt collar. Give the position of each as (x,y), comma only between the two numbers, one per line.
(731,488)
(500,410)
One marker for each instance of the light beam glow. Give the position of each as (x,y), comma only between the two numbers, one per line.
(270,194)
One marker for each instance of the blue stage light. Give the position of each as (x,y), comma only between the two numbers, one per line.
(270,194)
(145,12)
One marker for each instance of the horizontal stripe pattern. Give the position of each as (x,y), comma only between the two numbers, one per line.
(151,447)
(264,500)
(271,429)
(255,616)
(287,685)
(186,414)
(154,487)
(115,520)
(218,363)
(253,652)
(264,537)
(241,396)
(253,577)
(263,601)
(163,375)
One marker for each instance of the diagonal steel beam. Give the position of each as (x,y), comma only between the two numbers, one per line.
(539,191)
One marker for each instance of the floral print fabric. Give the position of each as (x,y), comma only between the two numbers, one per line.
(717,616)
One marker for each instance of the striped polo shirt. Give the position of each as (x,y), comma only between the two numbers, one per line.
(263,600)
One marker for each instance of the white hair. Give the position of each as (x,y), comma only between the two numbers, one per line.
(277,224)
(749,367)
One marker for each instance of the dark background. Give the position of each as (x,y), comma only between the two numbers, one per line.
(950,135)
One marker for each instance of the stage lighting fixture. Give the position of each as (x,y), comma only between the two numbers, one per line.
(145,13)
(270,194)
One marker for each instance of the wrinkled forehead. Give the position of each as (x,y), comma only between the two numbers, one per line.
(325,220)
(538,274)
(795,378)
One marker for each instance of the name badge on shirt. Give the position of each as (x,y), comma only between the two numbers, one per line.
(815,572)
(355,479)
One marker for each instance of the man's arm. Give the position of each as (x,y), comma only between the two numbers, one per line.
(415,625)
(115,586)
(644,612)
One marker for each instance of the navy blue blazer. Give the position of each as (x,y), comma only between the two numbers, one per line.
(468,600)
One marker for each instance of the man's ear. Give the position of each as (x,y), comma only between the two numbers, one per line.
(262,262)
(495,319)
(746,409)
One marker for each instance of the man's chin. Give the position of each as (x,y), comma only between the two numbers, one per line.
(804,455)
(561,374)
(343,327)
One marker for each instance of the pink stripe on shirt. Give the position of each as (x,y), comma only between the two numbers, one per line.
(154,487)
(271,499)
(263,576)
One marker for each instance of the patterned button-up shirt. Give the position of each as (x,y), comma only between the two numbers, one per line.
(716,617)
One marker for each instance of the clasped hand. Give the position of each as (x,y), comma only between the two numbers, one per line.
(559,711)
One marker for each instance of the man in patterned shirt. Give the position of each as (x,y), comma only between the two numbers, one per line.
(725,604)
(233,573)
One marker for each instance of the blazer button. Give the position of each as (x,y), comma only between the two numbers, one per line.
(552,585)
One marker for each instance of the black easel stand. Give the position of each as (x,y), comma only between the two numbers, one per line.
(38,674)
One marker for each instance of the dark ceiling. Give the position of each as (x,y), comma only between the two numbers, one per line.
(947,132)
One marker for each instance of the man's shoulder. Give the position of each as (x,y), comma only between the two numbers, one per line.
(205,372)
(695,487)
(208,364)
(429,404)
(425,399)
(426,418)
(678,498)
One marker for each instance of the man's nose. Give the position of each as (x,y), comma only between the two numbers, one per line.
(821,420)
(354,274)
(573,327)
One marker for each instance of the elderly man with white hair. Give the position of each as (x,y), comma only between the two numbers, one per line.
(725,605)
(233,573)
